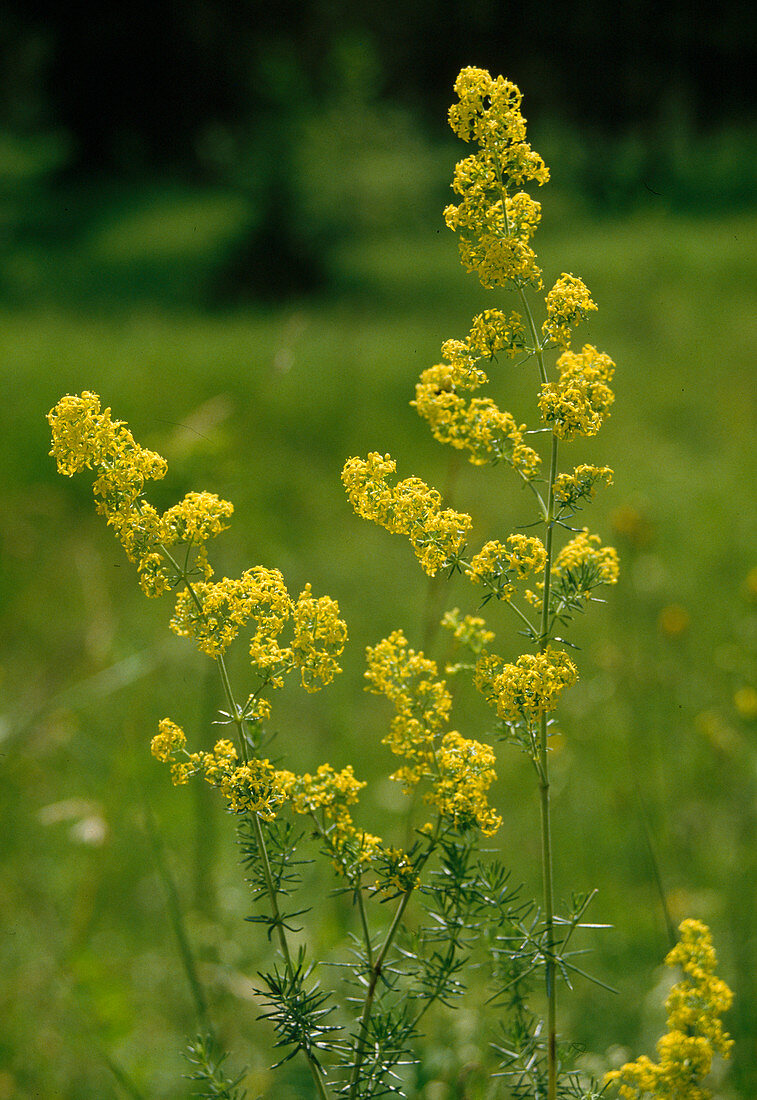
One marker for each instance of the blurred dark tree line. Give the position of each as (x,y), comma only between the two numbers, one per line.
(235,91)
(145,80)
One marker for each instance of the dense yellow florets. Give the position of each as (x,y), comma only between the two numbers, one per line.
(571,489)
(695,1031)
(494,224)
(250,787)
(410,508)
(466,771)
(568,302)
(579,401)
(527,689)
(497,566)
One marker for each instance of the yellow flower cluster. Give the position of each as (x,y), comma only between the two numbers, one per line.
(586,553)
(252,787)
(210,612)
(497,566)
(422,701)
(695,1031)
(86,437)
(495,226)
(571,489)
(529,688)
(470,630)
(466,771)
(214,612)
(319,638)
(327,794)
(580,400)
(568,302)
(409,508)
(477,426)
(461,771)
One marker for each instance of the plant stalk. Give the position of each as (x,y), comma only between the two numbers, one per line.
(544,793)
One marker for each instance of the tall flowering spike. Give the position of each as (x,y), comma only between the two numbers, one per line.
(695,1031)
(495,220)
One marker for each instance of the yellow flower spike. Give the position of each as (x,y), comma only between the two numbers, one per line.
(695,1031)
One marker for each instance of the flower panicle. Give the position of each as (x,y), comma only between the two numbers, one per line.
(695,1030)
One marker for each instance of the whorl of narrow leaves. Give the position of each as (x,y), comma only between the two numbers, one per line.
(298,1011)
(209,1073)
(281,839)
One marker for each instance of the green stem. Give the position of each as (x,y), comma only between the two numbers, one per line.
(546,830)
(378,966)
(376,970)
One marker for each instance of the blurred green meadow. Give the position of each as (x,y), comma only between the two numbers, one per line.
(114,288)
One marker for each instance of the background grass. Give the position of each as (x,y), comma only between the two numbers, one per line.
(108,291)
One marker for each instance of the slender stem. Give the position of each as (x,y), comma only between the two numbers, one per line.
(378,966)
(364,922)
(371,992)
(546,830)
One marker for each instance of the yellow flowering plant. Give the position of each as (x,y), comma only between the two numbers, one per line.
(427,914)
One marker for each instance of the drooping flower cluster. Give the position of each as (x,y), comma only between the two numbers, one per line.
(84,436)
(477,426)
(579,401)
(498,566)
(461,771)
(527,689)
(495,222)
(211,612)
(422,702)
(695,1030)
(409,508)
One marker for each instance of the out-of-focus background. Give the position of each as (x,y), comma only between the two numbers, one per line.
(226,220)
